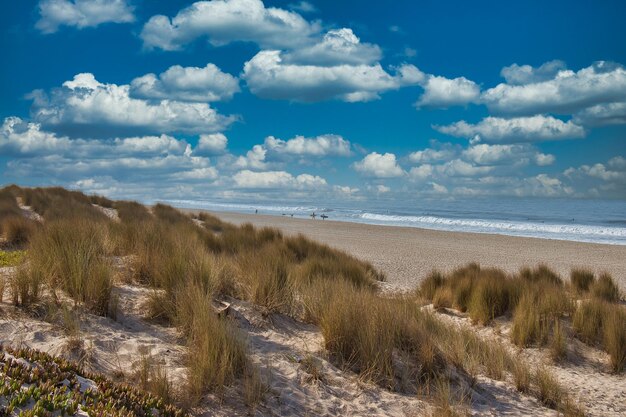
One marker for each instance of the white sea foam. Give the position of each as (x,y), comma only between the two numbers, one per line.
(578,232)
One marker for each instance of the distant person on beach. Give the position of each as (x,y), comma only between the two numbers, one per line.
(256,211)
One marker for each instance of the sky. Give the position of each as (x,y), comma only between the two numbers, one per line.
(305,100)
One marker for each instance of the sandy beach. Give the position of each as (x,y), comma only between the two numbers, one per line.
(406,254)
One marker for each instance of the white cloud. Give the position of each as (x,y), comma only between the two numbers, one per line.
(211,144)
(268,76)
(421,172)
(303,7)
(225,21)
(520,129)
(616,171)
(206,173)
(445,92)
(516,154)
(23,138)
(460,168)
(82,13)
(525,74)
(340,46)
(323,145)
(84,106)
(379,166)
(186,84)
(438,152)
(254,159)
(602,114)
(566,93)
(277,179)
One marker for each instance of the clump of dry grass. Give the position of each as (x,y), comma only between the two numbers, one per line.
(70,255)
(151,376)
(58,203)
(581,279)
(17,230)
(605,288)
(598,322)
(614,337)
(550,391)
(217,353)
(535,315)
(429,286)
(490,296)
(131,212)
(540,274)
(25,286)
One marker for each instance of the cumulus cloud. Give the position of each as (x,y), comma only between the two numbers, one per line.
(323,145)
(22,139)
(602,114)
(613,171)
(186,84)
(525,74)
(340,46)
(303,7)
(225,21)
(379,166)
(520,129)
(268,76)
(445,92)
(277,179)
(82,13)
(254,159)
(515,154)
(84,106)
(566,92)
(211,144)
(437,152)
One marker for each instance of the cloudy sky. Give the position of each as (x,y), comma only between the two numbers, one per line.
(245,99)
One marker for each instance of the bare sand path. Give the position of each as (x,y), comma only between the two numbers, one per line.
(407,254)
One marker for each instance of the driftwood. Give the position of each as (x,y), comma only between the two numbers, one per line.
(221,308)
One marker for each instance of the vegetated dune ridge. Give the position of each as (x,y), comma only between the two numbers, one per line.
(408,254)
(225,320)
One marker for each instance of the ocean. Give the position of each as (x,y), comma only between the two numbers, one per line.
(596,221)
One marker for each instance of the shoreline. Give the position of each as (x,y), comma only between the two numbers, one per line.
(407,254)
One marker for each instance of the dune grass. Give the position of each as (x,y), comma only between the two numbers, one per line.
(599,322)
(581,279)
(605,288)
(70,256)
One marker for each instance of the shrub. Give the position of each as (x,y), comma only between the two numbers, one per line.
(581,279)
(605,288)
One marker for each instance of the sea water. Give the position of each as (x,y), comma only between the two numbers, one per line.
(596,221)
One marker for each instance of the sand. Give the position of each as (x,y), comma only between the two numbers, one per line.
(408,254)
(278,345)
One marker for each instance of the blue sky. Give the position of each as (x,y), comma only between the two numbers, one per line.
(244,99)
